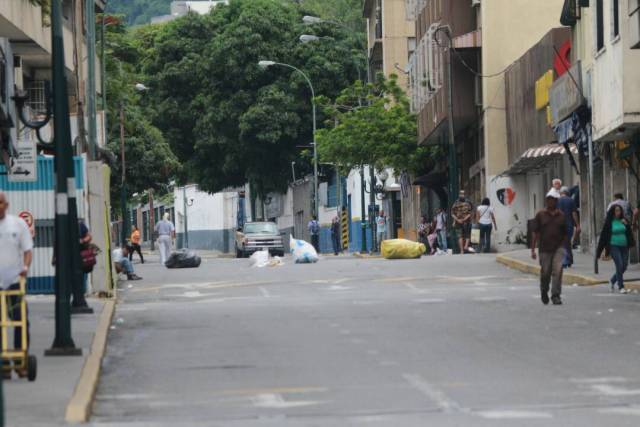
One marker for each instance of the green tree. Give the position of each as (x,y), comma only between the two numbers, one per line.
(139,12)
(227,120)
(372,125)
(150,163)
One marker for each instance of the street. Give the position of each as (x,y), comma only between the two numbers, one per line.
(443,341)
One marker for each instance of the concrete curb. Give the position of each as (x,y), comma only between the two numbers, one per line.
(79,407)
(531,268)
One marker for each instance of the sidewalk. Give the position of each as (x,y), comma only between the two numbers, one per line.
(581,273)
(44,401)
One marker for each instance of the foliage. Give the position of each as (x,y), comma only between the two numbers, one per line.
(226,119)
(139,12)
(149,160)
(372,125)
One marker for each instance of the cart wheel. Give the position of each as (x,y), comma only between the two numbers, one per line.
(32,367)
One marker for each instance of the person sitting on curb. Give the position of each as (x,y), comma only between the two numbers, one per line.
(123,265)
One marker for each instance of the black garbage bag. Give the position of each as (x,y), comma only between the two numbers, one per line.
(184,258)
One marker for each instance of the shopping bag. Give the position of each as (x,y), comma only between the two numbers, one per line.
(475,235)
(402,249)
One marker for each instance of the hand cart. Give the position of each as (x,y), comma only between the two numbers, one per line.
(17,359)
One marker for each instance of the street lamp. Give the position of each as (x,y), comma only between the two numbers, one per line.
(308,38)
(266,64)
(123,190)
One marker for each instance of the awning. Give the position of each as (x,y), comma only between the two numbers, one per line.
(538,157)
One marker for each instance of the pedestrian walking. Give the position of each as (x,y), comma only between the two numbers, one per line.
(381,228)
(16,253)
(314,231)
(462,213)
(568,207)
(486,220)
(550,231)
(336,233)
(120,258)
(135,244)
(615,240)
(441,228)
(166,233)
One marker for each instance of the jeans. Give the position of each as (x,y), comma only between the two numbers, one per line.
(551,268)
(380,235)
(620,255)
(164,244)
(126,265)
(15,314)
(335,240)
(485,237)
(442,239)
(315,242)
(568,248)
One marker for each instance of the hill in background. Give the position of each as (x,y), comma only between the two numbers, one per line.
(138,11)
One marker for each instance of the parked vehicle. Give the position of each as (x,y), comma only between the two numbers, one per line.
(256,236)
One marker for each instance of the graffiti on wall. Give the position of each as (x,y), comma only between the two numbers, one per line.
(506,196)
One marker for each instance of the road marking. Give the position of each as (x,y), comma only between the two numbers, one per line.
(443,402)
(276,401)
(337,288)
(490,299)
(264,292)
(217,300)
(631,410)
(276,390)
(610,390)
(397,279)
(598,380)
(429,300)
(513,415)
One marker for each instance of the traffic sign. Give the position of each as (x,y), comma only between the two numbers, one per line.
(27,217)
(24,165)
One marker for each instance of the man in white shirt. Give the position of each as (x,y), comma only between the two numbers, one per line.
(166,233)
(120,258)
(16,252)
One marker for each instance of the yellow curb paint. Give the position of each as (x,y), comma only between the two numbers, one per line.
(567,277)
(79,407)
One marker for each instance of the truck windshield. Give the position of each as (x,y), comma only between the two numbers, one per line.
(260,229)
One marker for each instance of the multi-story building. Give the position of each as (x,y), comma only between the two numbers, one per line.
(181,8)
(486,37)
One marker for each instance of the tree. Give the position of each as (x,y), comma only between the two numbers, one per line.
(372,125)
(226,119)
(139,12)
(150,161)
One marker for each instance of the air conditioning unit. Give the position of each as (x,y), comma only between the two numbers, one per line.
(475,3)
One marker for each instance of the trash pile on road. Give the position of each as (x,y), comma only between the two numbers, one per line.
(184,258)
(402,249)
(302,252)
(263,259)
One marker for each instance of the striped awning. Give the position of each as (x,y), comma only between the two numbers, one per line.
(538,157)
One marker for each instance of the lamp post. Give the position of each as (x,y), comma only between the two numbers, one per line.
(123,190)
(186,203)
(266,64)
(313,20)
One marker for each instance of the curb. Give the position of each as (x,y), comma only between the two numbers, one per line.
(525,267)
(79,407)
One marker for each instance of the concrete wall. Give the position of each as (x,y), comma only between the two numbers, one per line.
(396,31)
(509,29)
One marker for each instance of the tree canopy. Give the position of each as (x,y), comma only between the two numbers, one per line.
(228,121)
(371,125)
(139,12)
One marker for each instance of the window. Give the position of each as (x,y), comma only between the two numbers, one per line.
(615,18)
(599,25)
(411,46)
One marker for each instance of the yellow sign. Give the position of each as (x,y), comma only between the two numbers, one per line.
(543,84)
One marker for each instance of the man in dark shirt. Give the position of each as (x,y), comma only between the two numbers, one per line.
(568,207)
(550,229)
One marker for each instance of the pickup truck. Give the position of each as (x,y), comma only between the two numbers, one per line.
(256,236)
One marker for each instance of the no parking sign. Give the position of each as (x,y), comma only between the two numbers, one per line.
(28,218)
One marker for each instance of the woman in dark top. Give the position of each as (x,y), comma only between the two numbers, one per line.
(615,239)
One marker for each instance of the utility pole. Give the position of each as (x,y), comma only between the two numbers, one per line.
(123,190)
(152,221)
(90,18)
(63,344)
(453,159)
(185,206)
(363,219)
(372,207)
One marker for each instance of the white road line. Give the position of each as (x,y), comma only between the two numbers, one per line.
(276,401)
(610,390)
(446,404)
(513,415)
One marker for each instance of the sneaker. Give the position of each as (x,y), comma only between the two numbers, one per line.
(471,250)
(133,277)
(556,300)
(544,296)
(624,291)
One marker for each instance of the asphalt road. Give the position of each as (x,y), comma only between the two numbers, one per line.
(441,341)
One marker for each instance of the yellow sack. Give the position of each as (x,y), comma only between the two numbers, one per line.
(402,249)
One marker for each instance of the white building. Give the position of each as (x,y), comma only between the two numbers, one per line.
(181,8)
